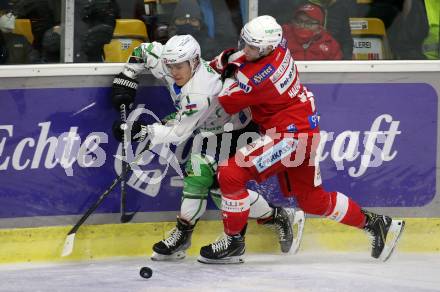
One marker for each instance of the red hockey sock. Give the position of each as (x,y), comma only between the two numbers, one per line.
(345,210)
(235,212)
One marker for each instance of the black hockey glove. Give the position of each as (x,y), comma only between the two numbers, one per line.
(229,71)
(123,91)
(220,62)
(139,132)
(226,54)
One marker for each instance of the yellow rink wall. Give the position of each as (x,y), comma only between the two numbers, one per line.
(136,239)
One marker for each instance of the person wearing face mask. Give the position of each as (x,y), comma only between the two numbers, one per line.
(14,48)
(188,19)
(307,39)
(43,14)
(337,14)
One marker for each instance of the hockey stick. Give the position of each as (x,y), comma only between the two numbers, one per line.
(125,217)
(70,239)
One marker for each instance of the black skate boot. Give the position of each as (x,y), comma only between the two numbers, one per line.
(228,250)
(174,247)
(385,233)
(282,220)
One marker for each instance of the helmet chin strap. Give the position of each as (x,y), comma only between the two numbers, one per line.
(195,63)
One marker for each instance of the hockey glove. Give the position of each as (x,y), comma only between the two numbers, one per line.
(220,62)
(123,91)
(148,53)
(145,56)
(229,71)
(139,132)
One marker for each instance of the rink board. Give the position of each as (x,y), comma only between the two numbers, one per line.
(136,239)
(40,105)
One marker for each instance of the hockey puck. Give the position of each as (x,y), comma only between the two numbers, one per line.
(146,272)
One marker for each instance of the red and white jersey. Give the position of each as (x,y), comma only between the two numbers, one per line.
(271,88)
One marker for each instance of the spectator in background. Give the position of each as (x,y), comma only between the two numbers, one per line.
(236,8)
(147,12)
(51,45)
(385,10)
(42,16)
(306,37)
(187,19)
(337,15)
(100,19)
(431,45)
(408,31)
(208,16)
(14,48)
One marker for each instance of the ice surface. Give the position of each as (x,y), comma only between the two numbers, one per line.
(275,272)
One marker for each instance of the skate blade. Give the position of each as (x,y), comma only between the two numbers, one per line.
(298,228)
(393,237)
(180,255)
(224,261)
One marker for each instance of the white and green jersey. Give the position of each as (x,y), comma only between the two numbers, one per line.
(196,103)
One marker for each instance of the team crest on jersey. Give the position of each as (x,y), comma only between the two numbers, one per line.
(263,74)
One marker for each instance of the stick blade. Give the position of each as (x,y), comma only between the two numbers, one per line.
(68,245)
(126,217)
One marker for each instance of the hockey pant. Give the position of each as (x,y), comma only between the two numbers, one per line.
(200,179)
(292,160)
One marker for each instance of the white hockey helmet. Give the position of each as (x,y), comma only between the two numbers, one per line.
(181,48)
(261,32)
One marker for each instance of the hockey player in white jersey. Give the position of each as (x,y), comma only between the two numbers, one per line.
(194,88)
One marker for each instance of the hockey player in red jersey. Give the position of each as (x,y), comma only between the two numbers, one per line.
(268,83)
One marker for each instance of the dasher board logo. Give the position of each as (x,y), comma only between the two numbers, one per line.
(378,145)
(383,147)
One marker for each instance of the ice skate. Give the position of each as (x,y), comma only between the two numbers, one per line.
(385,233)
(289,225)
(175,245)
(227,250)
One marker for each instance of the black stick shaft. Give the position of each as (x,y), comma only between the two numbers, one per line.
(99,201)
(105,194)
(124,163)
